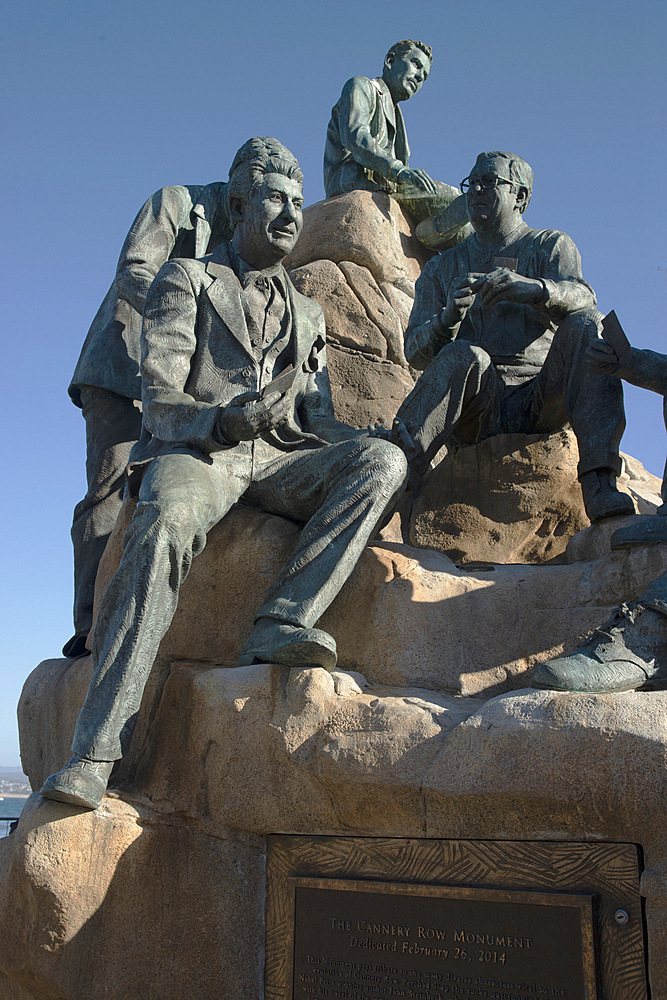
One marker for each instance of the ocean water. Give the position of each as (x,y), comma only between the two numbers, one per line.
(11,807)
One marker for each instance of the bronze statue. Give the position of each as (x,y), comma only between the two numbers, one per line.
(501,325)
(630,650)
(367,146)
(177,221)
(236,403)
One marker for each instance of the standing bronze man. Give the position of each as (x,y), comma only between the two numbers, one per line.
(177,221)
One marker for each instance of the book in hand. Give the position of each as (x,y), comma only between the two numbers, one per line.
(281,383)
(614,334)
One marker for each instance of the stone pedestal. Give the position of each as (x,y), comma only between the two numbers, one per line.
(427,731)
(160,893)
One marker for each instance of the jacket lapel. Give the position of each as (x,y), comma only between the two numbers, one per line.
(301,327)
(202,230)
(224,295)
(401,148)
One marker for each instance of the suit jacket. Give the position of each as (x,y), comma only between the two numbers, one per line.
(366,142)
(197,356)
(178,221)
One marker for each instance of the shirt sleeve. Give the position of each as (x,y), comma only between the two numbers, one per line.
(150,242)
(356,109)
(560,270)
(426,335)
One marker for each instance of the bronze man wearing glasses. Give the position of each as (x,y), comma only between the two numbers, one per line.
(501,324)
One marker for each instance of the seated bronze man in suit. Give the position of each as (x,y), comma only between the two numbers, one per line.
(501,324)
(367,147)
(217,333)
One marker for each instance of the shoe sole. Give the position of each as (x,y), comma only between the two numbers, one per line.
(69,798)
(306,653)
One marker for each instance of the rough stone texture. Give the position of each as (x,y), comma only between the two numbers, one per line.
(514,498)
(346,319)
(404,618)
(233,754)
(122,903)
(366,227)
(365,391)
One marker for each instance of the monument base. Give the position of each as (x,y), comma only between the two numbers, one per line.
(160,893)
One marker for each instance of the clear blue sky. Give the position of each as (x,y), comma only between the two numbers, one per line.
(103,103)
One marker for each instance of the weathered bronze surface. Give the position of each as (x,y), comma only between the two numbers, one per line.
(356,918)
(354,938)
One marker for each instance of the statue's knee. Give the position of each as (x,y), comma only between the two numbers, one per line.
(387,461)
(585,323)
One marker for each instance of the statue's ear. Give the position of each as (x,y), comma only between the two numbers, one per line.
(389,60)
(236,206)
(522,198)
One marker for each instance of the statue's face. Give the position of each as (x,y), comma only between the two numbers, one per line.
(404,75)
(271,221)
(491,207)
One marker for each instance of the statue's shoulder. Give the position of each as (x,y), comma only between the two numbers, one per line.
(360,84)
(551,241)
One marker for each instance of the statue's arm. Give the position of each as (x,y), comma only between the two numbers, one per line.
(428,330)
(168,342)
(150,241)
(647,369)
(355,113)
(565,290)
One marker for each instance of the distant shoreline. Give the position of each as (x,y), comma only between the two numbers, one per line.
(15,795)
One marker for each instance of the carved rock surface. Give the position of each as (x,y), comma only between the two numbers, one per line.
(514,498)
(122,903)
(407,617)
(365,391)
(365,227)
(233,754)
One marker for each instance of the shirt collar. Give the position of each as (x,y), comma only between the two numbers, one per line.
(248,274)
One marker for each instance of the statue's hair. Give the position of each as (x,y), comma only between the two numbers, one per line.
(519,172)
(256,157)
(400,48)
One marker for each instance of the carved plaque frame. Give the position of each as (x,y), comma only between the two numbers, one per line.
(603,877)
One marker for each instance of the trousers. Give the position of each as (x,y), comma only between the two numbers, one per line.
(339,490)
(113,424)
(461,399)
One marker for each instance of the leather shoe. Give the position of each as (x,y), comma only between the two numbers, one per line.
(605,662)
(81,782)
(602,498)
(76,646)
(273,641)
(645,531)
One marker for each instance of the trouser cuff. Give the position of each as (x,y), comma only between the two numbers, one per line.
(611,460)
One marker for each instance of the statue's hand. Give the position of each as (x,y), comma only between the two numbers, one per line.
(503,285)
(417,178)
(459,299)
(602,358)
(247,416)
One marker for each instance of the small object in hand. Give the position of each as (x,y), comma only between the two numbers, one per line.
(281,383)
(614,334)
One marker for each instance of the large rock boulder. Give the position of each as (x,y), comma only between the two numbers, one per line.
(407,617)
(514,498)
(358,257)
(368,228)
(126,902)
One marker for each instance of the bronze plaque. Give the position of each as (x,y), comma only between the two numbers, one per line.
(355,940)
(367,919)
